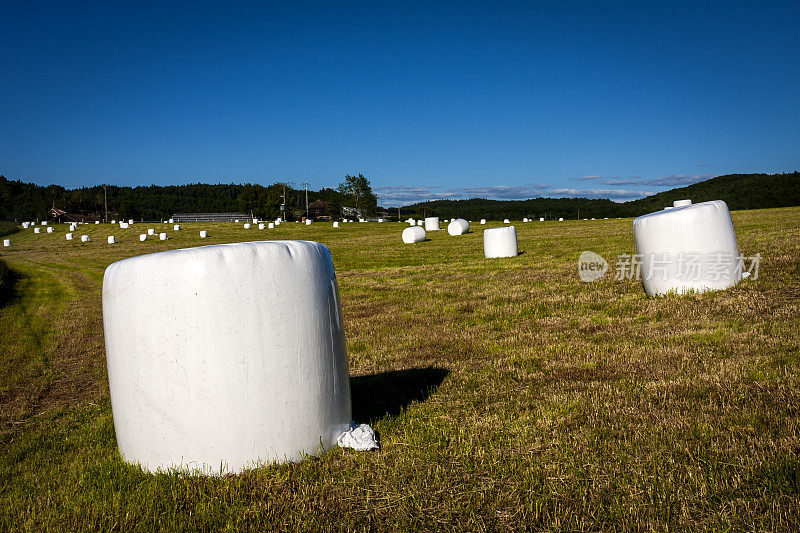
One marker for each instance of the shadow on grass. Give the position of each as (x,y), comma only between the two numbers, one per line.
(9,280)
(388,393)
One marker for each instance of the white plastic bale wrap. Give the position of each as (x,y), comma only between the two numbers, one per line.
(97,222)
(68,236)
(261,226)
(271,225)
(483,221)
(561,219)
(687,248)
(151,231)
(203,234)
(541,219)
(84,238)
(506,221)
(130,221)
(6,242)
(162,236)
(171,221)
(524,219)
(432,224)
(246,225)
(111,239)
(176,227)
(500,242)
(50,229)
(681,203)
(335,224)
(413,234)
(199,384)
(308,222)
(37,230)
(458,226)
(143,237)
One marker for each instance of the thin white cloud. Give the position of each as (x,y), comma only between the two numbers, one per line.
(664,181)
(394,195)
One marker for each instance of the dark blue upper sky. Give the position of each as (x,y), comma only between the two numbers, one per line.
(503,100)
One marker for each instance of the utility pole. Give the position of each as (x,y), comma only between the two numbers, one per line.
(283,205)
(105,199)
(306,199)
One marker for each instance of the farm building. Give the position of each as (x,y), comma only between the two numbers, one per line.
(208,217)
(62,216)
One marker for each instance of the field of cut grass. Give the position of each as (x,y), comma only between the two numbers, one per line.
(507,393)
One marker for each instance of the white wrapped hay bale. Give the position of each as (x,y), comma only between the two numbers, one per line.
(96,221)
(242,389)
(681,203)
(142,237)
(171,221)
(483,221)
(432,224)
(68,236)
(271,225)
(255,221)
(6,242)
(130,221)
(261,226)
(561,219)
(308,222)
(151,231)
(111,239)
(506,221)
(84,238)
(691,247)
(500,242)
(203,234)
(413,234)
(26,225)
(458,226)
(37,230)
(50,229)
(524,219)
(246,225)
(420,222)
(335,224)
(162,236)
(176,227)
(541,219)
(44,222)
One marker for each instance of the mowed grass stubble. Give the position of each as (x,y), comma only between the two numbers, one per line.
(506,392)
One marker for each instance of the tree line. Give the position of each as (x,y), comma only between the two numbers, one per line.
(26,201)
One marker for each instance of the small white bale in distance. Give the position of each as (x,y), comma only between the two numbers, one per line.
(541,219)
(308,222)
(237,220)
(561,219)
(701,234)
(111,239)
(681,203)
(413,234)
(506,221)
(151,231)
(335,224)
(500,242)
(271,225)
(420,222)
(37,230)
(162,236)
(84,238)
(44,222)
(68,236)
(113,221)
(130,221)
(458,226)
(203,234)
(96,221)
(50,229)
(524,219)
(483,221)
(255,221)
(244,389)
(6,242)
(171,221)
(26,225)
(261,225)
(176,227)
(142,237)
(246,225)
(432,224)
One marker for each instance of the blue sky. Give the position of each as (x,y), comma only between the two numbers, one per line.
(428,100)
